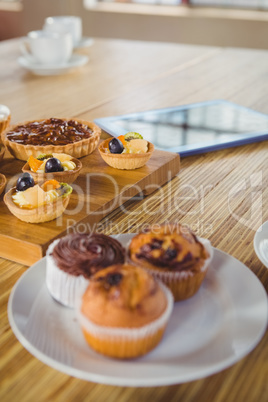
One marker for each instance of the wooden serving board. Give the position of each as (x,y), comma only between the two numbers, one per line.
(98,190)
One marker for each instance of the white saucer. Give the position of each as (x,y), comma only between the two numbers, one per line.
(51,69)
(84,42)
(261,243)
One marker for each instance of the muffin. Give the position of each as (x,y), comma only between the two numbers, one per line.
(73,259)
(173,254)
(124,311)
(34,203)
(127,152)
(74,137)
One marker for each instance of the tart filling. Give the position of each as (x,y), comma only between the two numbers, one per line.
(56,163)
(52,131)
(130,143)
(35,196)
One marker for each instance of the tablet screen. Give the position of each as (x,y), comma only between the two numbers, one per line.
(193,128)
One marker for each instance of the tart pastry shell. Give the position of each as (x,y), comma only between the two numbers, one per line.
(67,176)
(44,213)
(76,149)
(3,182)
(124,161)
(2,152)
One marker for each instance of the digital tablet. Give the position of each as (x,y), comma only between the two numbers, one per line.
(193,129)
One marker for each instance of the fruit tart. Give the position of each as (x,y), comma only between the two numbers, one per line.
(74,137)
(129,151)
(33,203)
(60,167)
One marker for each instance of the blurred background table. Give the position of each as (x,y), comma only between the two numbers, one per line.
(123,77)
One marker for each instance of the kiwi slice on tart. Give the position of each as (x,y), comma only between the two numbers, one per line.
(133,136)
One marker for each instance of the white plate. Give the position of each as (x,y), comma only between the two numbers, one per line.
(207,333)
(39,69)
(84,42)
(261,243)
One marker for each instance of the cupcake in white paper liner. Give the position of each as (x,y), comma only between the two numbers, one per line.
(72,260)
(124,312)
(173,255)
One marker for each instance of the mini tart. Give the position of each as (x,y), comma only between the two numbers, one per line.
(2,152)
(3,182)
(124,161)
(124,311)
(43,213)
(67,176)
(73,259)
(5,117)
(77,149)
(173,254)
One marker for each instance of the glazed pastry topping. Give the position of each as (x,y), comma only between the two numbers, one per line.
(49,132)
(85,254)
(54,162)
(30,196)
(174,250)
(130,143)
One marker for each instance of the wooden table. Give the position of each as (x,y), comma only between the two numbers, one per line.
(124,77)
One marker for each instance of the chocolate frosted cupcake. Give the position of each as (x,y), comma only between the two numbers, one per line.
(72,260)
(124,311)
(173,254)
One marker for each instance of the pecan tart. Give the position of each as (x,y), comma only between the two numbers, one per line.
(74,137)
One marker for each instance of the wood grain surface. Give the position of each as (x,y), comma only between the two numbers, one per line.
(98,190)
(222,195)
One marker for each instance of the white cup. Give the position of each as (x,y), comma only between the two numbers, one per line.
(48,47)
(67,23)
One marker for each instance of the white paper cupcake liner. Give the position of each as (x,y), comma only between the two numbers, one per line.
(63,287)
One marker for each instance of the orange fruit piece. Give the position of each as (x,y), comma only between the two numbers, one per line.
(34,163)
(122,139)
(50,185)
